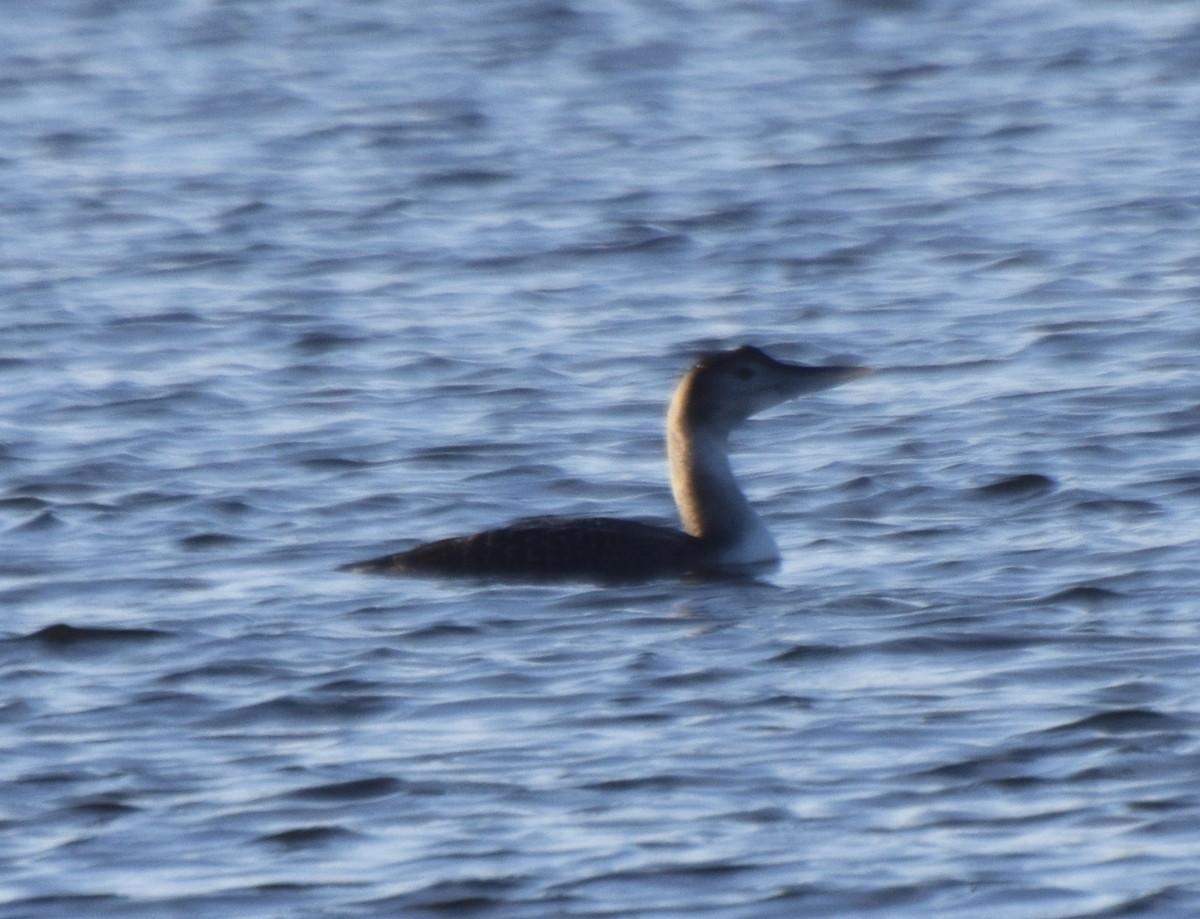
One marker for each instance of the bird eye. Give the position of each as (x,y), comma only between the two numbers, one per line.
(744,372)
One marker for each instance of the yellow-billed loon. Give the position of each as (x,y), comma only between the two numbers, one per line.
(721,532)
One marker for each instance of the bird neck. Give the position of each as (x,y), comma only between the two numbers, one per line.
(711,504)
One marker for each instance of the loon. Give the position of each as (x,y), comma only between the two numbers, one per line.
(722,533)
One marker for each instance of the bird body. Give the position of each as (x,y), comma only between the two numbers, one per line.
(600,548)
(722,533)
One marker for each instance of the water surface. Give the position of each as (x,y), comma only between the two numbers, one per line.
(293,284)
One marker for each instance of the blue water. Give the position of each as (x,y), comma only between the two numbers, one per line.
(288,284)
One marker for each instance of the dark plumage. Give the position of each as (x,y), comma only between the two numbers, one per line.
(595,548)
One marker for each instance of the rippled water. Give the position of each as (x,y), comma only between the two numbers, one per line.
(287,284)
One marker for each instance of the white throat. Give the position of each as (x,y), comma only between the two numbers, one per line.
(711,505)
